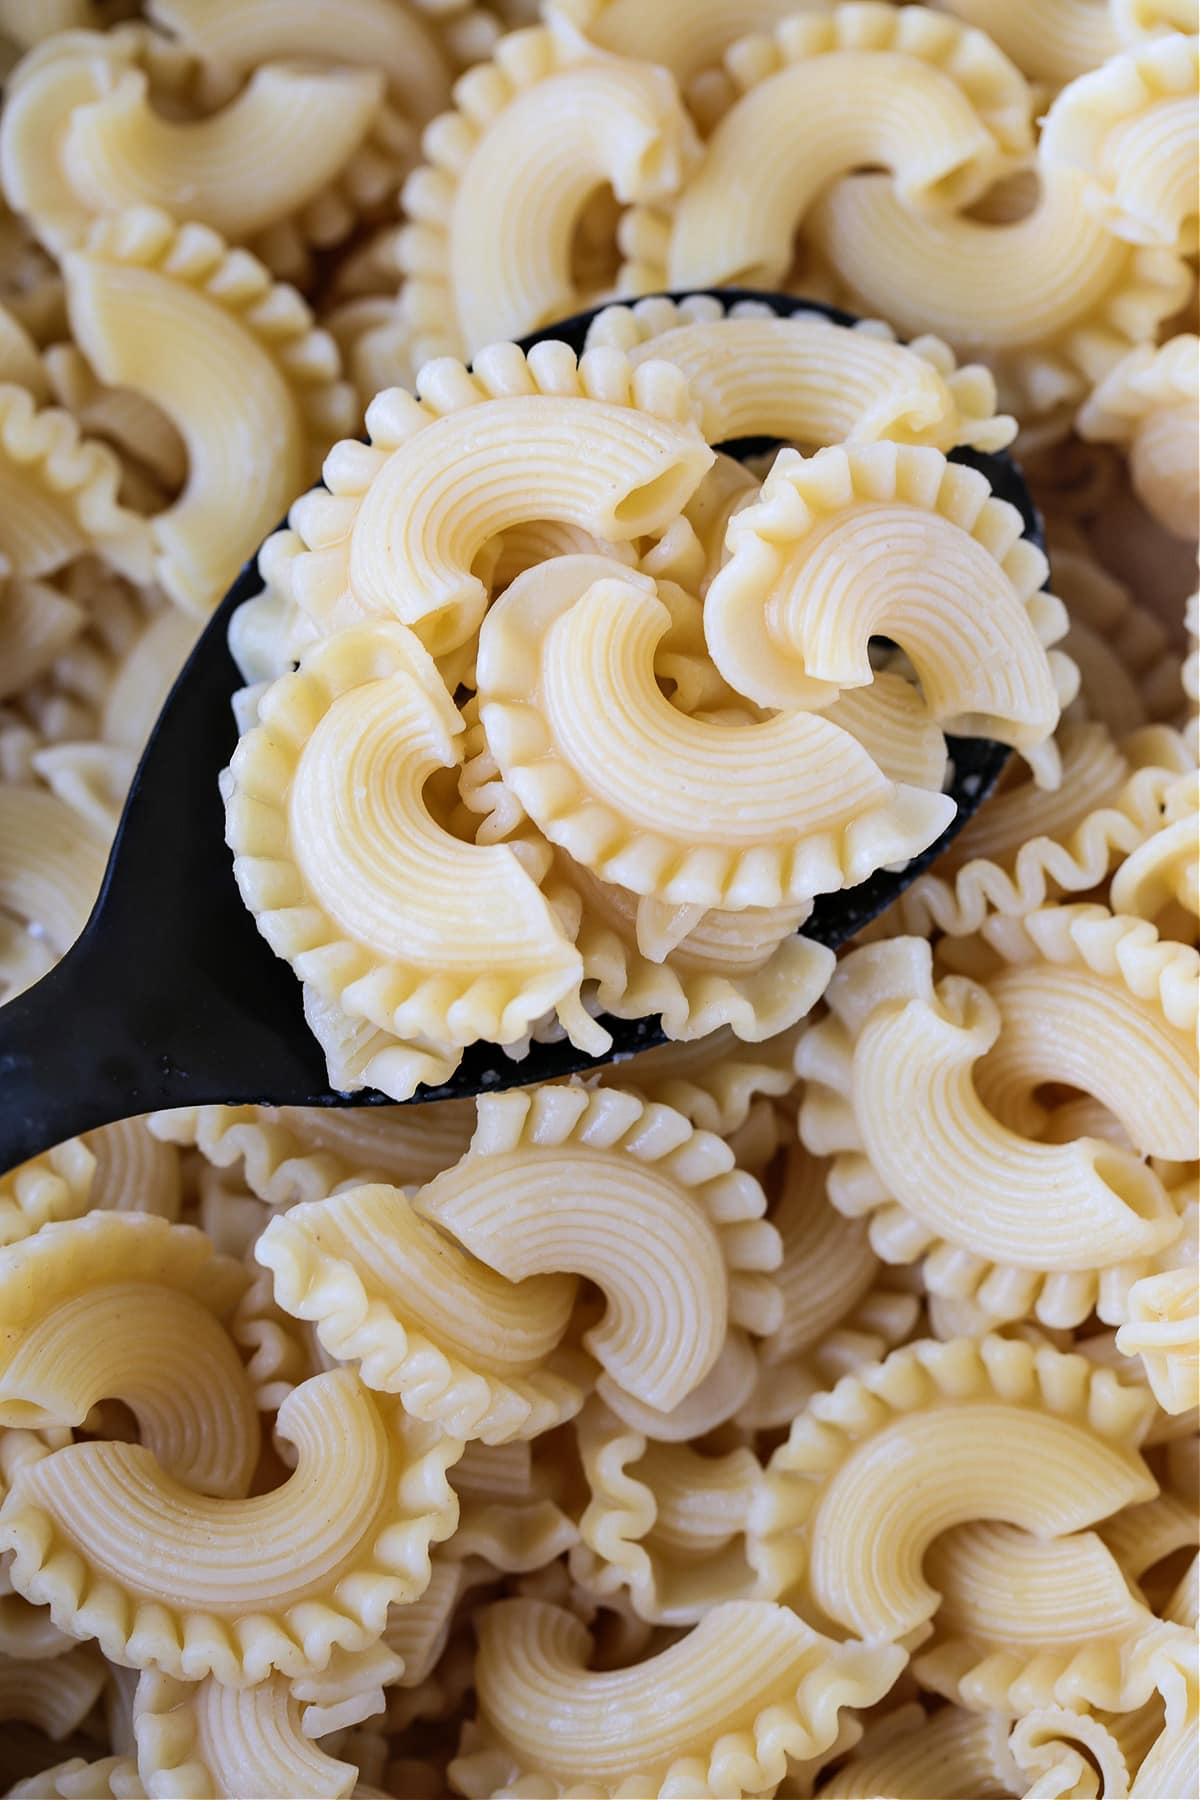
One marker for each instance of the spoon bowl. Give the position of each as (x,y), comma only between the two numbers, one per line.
(169,997)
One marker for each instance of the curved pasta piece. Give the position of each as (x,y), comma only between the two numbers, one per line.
(930,1756)
(652,800)
(56,1185)
(121,1552)
(109,1778)
(1049,1227)
(722,1396)
(233,40)
(825,94)
(598,445)
(548,115)
(1028,845)
(353,881)
(1147,404)
(129,1307)
(56,1695)
(628,1194)
(256,374)
(206,1738)
(463,1347)
(290,1153)
(1077,1635)
(721,1712)
(1163,1328)
(135,1171)
(20,359)
(663,1522)
(27,1633)
(807,379)
(1051,43)
(714,1081)
(1130,130)
(1049,301)
(1129,672)
(892,540)
(509,1515)
(36,623)
(51,867)
(747,970)
(686,36)
(828,1264)
(83,137)
(989,1420)
(59,494)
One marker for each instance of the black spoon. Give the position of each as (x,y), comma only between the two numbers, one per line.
(170,997)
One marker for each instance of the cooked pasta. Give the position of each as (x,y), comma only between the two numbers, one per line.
(1147,403)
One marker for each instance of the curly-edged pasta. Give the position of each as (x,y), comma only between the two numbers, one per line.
(720,1712)
(82,137)
(36,623)
(631,1196)
(807,380)
(1147,403)
(1052,43)
(659,803)
(59,495)
(56,1185)
(827,92)
(160,1574)
(663,1521)
(50,873)
(1162,1326)
(207,1740)
(27,1633)
(592,443)
(689,37)
(464,1348)
(128,1306)
(1049,301)
(494,210)
(714,1081)
(1162,870)
(1029,844)
(1130,129)
(844,545)
(290,1153)
(1002,1430)
(108,1778)
(433,942)
(965,1101)
(1129,671)
(748,970)
(233,40)
(508,1514)
(930,1756)
(55,1695)
(257,399)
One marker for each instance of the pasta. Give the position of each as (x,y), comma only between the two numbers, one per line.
(805,1406)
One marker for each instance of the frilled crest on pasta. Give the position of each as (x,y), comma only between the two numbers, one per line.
(1148,404)
(928,1140)
(896,541)
(593,443)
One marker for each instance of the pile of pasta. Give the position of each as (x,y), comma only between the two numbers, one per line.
(810,1405)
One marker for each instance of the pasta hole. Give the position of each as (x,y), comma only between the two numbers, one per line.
(643,507)
(595,256)
(1132,1182)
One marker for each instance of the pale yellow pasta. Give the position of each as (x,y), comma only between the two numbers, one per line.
(1162,870)
(160,1574)
(1064,1752)
(291,1153)
(130,1307)
(689,37)
(715,1081)
(718,1713)
(135,1170)
(233,40)
(1001,1429)
(59,494)
(108,1778)
(911,1755)
(418,1631)
(807,380)
(82,137)
(55,1696)
(508,1514)
(27,1633)
(20,358)
(494,210)
(652,800)
(953,1116)
(1050,301)
(1148,404)
(827,92)
(1130,129)
(206,1739)
(1029,845)
(37,621)
(631,1196)
(257,400)
(1052,43)
(464,1348)
(1129,672)
(591,443)
(837,549)
(1144,1537)
(53,1186)
(1162,1326)
(383,913)
(150,448)
(50,874)
(663,1521)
